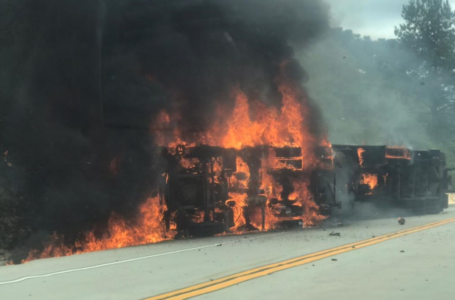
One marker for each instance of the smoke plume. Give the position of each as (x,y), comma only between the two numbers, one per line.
(93,75)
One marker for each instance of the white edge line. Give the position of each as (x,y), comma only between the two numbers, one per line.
(120,262)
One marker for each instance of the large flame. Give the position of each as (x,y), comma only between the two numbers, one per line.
(251,123)
(148,228)
(270,126)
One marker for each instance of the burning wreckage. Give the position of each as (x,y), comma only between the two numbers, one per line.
(259,168)
(397,177)
(262,167)
(209,190)
(241,145)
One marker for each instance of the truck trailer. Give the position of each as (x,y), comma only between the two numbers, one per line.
(210,190)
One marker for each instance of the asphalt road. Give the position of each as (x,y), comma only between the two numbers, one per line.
(416,264)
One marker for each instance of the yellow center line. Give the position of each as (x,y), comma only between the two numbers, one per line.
(224,282)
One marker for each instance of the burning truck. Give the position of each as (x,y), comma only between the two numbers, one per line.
(233,140)
(259,167)
(397,177)
(209,190)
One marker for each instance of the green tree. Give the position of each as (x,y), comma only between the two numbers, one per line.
(429,32)
(367,93)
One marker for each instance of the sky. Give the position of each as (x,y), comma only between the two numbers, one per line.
(375,18)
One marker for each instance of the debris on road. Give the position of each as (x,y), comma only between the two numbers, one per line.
(402,251)
(334,259)
(401,221)
(333,233)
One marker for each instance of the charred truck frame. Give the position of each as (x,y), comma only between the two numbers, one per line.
(209,190)
(395,176)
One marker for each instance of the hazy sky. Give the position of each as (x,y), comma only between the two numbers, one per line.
(376,18)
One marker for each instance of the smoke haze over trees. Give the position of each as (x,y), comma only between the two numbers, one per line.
(389,91)
(428,32)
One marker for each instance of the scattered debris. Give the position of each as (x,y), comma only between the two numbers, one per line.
(401,221)
(402,251)
(333,233)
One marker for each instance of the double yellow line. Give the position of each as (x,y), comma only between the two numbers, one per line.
(234,279)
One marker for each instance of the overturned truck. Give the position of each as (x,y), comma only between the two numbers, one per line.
(210,190)
(397,177)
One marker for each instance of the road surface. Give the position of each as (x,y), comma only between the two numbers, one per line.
(368,260)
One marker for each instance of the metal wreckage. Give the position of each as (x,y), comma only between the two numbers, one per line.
(210,190)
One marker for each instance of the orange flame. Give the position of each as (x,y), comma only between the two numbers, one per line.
(311,215)
(188,163)
(251,123)
(270,126)
(370,179)
(240,204)
(242,170)
(360,152)
(271,220)
(148,228)
(398,152)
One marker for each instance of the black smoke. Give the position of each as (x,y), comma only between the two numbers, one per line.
(87,78)
(197,51)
